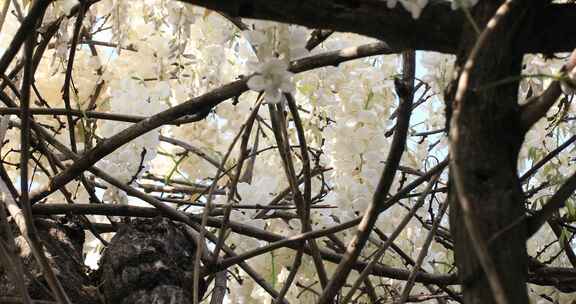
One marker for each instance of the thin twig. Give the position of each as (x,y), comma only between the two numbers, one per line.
(9,251)
(28,229)
(423,253)
(390,240)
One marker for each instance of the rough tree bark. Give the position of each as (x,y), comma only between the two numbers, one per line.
(147,261)
(485,123)
(63,240)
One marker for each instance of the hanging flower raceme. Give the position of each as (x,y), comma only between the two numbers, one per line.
(273,78)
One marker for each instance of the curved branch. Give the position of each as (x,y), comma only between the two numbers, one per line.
(437,29)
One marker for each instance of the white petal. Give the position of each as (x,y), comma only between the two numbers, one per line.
(256,83)
(287,86)
(273,96)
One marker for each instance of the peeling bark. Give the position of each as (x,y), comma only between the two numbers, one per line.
(63,241)
(149,261)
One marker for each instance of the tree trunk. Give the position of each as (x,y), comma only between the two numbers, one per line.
(485,125)
(63,240)
(148,261)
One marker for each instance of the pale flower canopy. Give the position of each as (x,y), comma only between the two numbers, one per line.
(273,78)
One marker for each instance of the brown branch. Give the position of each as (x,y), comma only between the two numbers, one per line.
(317,37)
(524,178)
(564,279)
(479,244)
(188,147)
(241,228)
(389,241)
(422,254)
(94,114)
(437,29)
(554,203)
(306,197)
(28,230)
(68,76)
(219,291)
(289,241)
(27,27)
(371,18)
(537,106)
(8,251)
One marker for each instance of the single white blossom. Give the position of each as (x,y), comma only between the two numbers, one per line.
(273,78)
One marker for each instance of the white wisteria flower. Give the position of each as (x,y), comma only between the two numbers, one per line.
(273,78)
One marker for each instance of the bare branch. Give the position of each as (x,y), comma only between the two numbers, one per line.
(537,106)
(554,203)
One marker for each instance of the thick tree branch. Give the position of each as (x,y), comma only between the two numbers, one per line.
(437,29)
(35,14)
(28,230)
(552,31)
(480,188)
